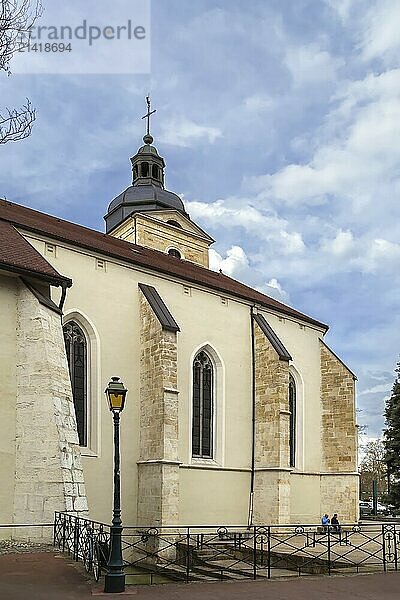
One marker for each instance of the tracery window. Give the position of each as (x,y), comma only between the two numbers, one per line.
(292,421)
(202,417)
(76,349)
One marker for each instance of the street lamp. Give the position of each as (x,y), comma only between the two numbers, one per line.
(115,576)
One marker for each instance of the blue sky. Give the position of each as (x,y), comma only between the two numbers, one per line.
(280,125)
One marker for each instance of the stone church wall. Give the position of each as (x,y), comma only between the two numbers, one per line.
(338,414)
(158,472)
(339,491)
(8,325)
(272,477)
(159,236)
(48,469)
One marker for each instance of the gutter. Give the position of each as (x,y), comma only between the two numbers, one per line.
(253,419)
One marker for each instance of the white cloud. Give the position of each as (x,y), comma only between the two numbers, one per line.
(235,263)
(274,289)
(357,152)
(382,387)
(310,64)
(184,132)
(341,7)
(341,244)
(259,103)
(380,35)
(238,212)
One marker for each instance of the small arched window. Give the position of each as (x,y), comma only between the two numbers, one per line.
(154,171)
(202,416)
(145,169)
(76,349)
(174,223)
(174,252)
(292,421)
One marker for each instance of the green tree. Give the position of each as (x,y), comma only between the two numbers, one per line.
(372,468)
(392,441)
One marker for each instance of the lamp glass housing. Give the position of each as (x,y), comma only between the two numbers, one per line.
(116,394)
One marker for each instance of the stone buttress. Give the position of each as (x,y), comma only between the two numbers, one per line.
(339,484)
(48,474)
(158,465)
(272,472)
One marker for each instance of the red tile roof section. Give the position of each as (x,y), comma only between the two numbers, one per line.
(58,229)
(18,255)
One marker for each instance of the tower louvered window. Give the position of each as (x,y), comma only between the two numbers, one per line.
(292,422)
(76,349)
(202,424)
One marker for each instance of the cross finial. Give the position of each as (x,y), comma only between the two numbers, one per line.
(148,138)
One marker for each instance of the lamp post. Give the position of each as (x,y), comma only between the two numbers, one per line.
(115,576)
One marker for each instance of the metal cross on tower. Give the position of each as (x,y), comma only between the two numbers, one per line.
(149,113)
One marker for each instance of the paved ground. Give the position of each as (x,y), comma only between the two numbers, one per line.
(51,576)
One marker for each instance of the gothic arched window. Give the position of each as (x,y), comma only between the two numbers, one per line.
(292,421)
(202,418)
(76,349)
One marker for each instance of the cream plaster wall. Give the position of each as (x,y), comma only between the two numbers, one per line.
(305,499)
(213,497)
(109,296)
(8,326)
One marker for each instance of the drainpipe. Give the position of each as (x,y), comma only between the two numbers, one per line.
(64,286)
(253,419)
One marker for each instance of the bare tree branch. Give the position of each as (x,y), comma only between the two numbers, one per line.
(17,124)
(17,17)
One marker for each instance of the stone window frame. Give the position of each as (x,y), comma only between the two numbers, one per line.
(93,379)
(218,432)
(177,249)
(299,434)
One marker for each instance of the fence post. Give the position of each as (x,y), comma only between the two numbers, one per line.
(269,551)
(255,552)
(76,540)
(187,555)
(54,528)
(383,547)
(63,532)
(329,550)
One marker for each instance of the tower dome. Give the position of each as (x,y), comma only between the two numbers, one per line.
(147,190)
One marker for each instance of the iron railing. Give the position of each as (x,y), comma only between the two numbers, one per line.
(194,553)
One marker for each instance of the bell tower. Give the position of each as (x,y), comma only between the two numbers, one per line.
(147,165)
(149,215)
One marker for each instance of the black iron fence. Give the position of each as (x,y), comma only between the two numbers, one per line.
(195,553)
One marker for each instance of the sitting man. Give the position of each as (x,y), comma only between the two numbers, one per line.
(335,524)
(325,522)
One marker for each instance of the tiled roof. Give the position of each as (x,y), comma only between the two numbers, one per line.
(19,256)
(58,229)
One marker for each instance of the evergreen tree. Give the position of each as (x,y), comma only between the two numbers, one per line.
(392,441)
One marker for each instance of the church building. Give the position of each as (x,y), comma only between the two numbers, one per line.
(237,410)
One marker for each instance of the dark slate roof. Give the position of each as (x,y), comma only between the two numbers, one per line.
(94,241)
(150,194)
(159,308)
(272,337)
(141,198)
(19,256)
